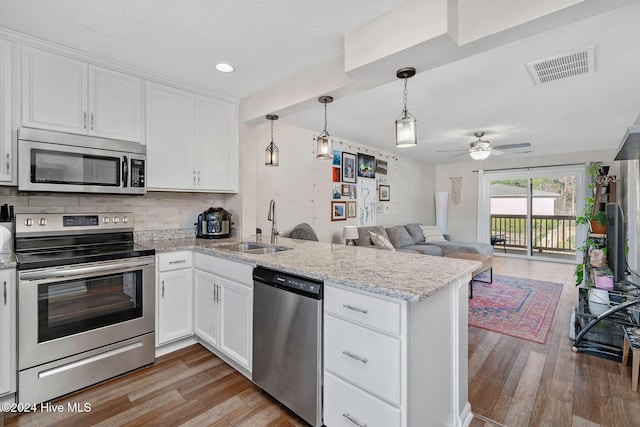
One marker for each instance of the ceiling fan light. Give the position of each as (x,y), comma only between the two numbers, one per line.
(479,154)
(406,130)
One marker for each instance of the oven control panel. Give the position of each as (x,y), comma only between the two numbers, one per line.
(68,222)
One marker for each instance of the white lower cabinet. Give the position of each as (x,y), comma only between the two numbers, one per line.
(207,310)
(365,358)
(7,332)
(174,313)
(389,362)
(347,405)
(224,307)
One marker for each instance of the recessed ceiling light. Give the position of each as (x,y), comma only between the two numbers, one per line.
(225,68)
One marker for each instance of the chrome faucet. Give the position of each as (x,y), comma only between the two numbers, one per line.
(274,225)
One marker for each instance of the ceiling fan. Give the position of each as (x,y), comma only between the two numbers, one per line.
(481,149)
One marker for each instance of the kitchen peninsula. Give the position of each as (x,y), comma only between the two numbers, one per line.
(415,327)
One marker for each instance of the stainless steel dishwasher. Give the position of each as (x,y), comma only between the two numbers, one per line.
(287,340)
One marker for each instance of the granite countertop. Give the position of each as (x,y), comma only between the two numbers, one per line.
(404,275)
(7,260)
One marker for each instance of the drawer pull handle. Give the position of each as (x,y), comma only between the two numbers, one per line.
(180,261)
(358,309)
(5,292)
(355,356)
(354,420)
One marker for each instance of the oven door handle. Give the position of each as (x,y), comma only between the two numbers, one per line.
(85,271)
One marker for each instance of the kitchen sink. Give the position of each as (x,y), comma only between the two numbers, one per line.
(253,248)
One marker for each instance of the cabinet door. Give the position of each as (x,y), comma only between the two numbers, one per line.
(6,169)
(207,312)
(54,91)
(216,145)
(170,138)
(236,322)
(175,306)
(115,104)
(7,332)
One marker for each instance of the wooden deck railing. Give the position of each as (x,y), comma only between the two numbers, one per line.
(550,233)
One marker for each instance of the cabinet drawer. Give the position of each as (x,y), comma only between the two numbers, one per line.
(175,260)
(234,270)
(364,309)
(365,358)
(343,401)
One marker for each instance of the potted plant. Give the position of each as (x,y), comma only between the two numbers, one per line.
(597,220)
(595,169)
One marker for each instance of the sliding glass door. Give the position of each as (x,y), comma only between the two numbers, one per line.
(531,212)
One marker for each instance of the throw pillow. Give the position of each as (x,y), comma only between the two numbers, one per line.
(416,232)
(399,236)
(432,233)
(381,241)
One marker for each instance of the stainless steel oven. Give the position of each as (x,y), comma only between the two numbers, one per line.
(85,302)
(63,162)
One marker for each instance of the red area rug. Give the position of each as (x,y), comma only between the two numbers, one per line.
(521,308)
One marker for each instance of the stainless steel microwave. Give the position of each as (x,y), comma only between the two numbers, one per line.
(57,161)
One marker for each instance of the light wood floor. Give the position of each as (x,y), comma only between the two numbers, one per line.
(512,381)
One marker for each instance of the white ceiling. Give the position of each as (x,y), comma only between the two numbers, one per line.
(269,42)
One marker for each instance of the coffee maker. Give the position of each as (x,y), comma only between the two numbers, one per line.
(214,223)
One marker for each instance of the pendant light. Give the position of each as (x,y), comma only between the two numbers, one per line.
(406,123)
(323,141)
(272,154)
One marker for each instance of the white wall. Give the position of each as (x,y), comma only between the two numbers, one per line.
(301,185)
(463,217)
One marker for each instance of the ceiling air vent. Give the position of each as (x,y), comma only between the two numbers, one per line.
(562,66)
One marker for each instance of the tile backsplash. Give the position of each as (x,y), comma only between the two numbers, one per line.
(153,211)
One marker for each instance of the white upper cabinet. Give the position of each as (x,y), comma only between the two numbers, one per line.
(116,106)
(192,141)
(64,94)
(217,146)
(6,159)
(170,138)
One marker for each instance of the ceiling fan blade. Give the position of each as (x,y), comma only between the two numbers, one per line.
(458,155)
(508,146)
(451,151)
(497,152)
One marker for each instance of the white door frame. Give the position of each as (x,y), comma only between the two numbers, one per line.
(484,196)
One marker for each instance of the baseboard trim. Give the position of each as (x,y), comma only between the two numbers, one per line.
(175,346)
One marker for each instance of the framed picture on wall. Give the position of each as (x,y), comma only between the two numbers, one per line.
(336,158)
(338,211)
(366,166)
(346,190)
(348,167)
(381,167)
(351,210)
(383,193)
(336,174)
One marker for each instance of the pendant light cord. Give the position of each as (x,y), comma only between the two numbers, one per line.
(325,119)
(404,98)
(271,131)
